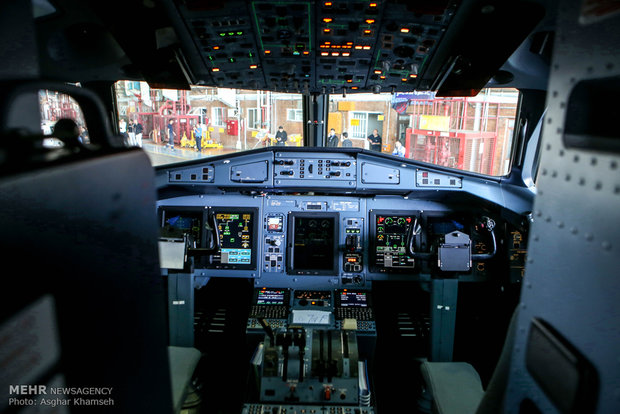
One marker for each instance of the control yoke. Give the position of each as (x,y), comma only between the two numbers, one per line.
(213,238)
(455,245)
(489,225)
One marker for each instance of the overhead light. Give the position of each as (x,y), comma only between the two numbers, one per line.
(346,54)
(413,76)
(404,30)
(324,54)
(404,79)
(328,19)
(306,52)
(335,54)
(367,31)
(327,30)
(354,87)
(253,66)
(377,71)
(215,69)
(216,48)
(373,4)
(267,52)
(382,77)
(370,21)
(358,47)
(366,47)
(328,4)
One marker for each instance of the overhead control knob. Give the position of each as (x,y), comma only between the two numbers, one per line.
(274,242)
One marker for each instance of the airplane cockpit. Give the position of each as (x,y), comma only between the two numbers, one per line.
(287,207)
(328,249)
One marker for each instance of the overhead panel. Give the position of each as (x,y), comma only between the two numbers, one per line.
(325,46)
(225,37)
(286,43)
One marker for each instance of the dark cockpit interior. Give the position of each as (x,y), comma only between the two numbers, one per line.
(170,249)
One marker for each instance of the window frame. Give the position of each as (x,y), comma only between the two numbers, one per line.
(297,117)
(257,122)
(221,120)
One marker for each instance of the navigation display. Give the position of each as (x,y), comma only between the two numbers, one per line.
(270,297)
(313,243)
(237,231)
(350,299)
(390,241)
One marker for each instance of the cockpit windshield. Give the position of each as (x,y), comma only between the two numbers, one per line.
(472,134)
(180,125)
(466,133)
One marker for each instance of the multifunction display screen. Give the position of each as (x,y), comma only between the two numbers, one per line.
(313,249)
(270,297)
(350,299)
(391,241)
(236,237)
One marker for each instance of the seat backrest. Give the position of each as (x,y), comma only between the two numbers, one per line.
(82,301)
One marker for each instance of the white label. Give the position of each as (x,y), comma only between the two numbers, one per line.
(29,346)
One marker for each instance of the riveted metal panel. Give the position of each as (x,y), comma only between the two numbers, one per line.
(572,280)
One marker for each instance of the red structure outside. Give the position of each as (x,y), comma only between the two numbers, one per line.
(467,139)
(55,106)
(155,123)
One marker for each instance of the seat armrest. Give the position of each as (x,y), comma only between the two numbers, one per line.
(455,387)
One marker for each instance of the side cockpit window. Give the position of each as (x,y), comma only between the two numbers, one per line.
(62,120)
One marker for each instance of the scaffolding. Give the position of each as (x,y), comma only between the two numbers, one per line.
(55,106)
(155,122)
(459,133)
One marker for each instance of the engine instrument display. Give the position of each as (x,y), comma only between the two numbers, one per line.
(236,230)
(390,241)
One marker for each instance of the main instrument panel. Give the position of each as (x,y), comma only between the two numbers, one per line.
(343,219)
